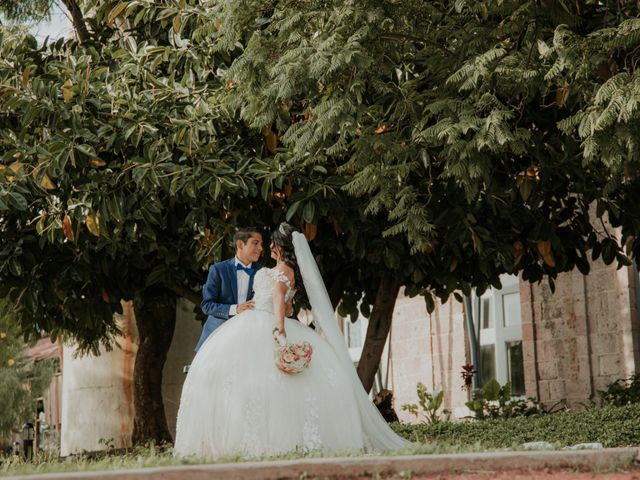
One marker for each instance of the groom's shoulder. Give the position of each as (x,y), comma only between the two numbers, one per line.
(221,264)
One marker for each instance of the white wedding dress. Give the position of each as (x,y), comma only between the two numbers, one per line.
(235,402)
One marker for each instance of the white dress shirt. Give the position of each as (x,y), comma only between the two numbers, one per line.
(242,278)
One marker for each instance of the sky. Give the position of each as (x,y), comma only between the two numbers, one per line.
(58,26)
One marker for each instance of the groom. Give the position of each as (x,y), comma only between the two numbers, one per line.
(229,287)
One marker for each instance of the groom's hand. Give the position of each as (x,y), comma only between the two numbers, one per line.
(248,305)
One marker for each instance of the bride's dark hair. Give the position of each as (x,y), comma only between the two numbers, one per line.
(283,237)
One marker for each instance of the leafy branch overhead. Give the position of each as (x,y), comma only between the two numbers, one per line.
(475,137)
(480,134)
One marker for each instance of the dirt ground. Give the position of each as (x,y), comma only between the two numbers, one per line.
(526,475)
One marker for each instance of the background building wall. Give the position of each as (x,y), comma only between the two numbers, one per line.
(97,391)
(430,349)
(582,337)
(97,394)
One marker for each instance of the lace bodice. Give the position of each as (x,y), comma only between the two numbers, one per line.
(263,285)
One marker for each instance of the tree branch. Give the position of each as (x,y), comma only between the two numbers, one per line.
(411,38)
(77,18)
(187,293)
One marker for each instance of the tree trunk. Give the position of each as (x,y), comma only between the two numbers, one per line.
(77,18)
(377,331)
(155,318)
(335,292)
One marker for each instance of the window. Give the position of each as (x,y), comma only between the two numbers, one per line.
(500,334)
(354,334)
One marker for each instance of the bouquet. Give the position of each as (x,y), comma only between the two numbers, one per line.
(291,357)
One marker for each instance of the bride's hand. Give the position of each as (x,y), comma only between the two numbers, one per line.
(280,336)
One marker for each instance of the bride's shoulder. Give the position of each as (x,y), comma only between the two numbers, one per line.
(282,273)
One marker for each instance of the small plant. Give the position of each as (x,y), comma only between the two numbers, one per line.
(429,403)
(623,391)
(467,374)
(495,401)
(108,443)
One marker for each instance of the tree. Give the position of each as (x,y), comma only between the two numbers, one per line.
(22,380)
(23,11)
(453,123)
(416,143)
(121,178)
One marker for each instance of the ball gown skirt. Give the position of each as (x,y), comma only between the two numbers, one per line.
(235,402)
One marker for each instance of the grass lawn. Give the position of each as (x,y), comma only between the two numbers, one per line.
(611,426)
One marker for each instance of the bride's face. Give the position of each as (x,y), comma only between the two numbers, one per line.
(276,251)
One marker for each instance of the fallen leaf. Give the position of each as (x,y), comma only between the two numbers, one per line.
(92,221)
(384,128)
(518,246)
(16,166)
(562,94)
(336,226)
(271,141)
(310,231)
(453,265)
(97,162)
(288,187)
(46,183)
(544,249)
(67,228)
(177,23)
(67,92)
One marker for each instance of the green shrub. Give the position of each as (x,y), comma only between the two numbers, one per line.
(429,404)
(622,392)
(612,426)
(495,401)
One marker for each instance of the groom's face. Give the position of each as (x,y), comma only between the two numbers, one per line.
(250,251)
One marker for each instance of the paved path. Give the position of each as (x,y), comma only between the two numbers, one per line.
(471,466)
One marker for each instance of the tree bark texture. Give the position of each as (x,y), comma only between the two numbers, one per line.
(378,330)
(155,318)
(79,25)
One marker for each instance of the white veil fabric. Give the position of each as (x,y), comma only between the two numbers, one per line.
(378,434)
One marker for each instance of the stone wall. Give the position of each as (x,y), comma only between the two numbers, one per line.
(430,349)
(582,337)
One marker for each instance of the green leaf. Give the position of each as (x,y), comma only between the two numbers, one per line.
(491,390)
(17,201)
(431,305)
(309,211)
(292,210)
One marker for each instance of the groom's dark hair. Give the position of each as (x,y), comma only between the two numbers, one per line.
(245,234)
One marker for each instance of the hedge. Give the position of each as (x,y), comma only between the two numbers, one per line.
(610,425)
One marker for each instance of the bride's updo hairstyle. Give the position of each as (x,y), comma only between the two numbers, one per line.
(283,237)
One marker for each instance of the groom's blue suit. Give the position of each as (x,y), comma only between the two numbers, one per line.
(219,293)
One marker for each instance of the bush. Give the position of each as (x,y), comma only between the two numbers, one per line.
(428,405)
(622,392)
(21,379)
(612,426)
(495,401)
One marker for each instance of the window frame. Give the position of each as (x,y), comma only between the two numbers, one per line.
(498,334)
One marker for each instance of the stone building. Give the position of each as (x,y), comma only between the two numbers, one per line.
(559,348)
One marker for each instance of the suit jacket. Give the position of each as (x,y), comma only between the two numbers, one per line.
(219,293)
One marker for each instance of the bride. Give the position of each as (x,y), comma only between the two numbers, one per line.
(235,401)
